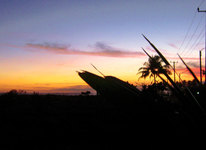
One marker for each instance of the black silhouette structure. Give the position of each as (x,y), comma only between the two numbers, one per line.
(109,86)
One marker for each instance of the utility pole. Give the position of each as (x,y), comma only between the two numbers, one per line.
(201,66)
(198,9)
(174,69)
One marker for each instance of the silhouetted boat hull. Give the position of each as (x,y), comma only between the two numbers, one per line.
(109,85)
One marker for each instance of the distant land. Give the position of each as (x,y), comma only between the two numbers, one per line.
(66,94)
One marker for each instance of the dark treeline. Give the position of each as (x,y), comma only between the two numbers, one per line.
(153,121)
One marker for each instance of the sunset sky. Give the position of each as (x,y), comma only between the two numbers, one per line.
(44,42)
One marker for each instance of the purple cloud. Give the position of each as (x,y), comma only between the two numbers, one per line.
(101,49)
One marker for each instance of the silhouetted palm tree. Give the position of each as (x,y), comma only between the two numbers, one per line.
(153,68)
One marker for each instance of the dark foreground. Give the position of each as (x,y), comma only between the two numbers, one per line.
(36,122)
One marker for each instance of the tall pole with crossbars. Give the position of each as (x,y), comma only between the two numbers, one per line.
(198,9)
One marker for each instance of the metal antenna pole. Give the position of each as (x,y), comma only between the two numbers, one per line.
(198,9)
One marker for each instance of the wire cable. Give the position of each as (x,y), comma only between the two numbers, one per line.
(192,35)
(192,22)
(190,26)
(196,42)
(195,45)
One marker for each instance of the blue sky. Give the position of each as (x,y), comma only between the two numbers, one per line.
(82,23)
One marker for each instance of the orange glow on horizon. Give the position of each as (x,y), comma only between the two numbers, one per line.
(51,73)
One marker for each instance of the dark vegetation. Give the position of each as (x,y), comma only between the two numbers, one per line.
(92,122)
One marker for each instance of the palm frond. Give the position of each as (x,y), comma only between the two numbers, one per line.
(190,70)
(159,53)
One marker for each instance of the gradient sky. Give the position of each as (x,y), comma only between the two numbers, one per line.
(44,42)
